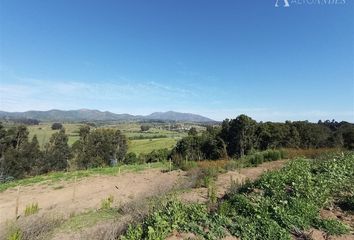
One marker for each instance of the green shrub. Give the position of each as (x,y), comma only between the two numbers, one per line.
(272,155)
(256,159)
(131,158)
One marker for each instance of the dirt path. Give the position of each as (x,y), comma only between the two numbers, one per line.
(89,192)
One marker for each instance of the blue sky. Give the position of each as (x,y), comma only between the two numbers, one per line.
(215,58)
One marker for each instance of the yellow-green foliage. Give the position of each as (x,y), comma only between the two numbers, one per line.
(106,203)
(15,234)
(31,209)
(212,192)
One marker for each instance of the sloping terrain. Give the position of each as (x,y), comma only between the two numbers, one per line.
(125,188)
(89,192)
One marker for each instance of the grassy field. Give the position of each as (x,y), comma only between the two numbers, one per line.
(132,130)
(147,145)
(44,131)
(152,138)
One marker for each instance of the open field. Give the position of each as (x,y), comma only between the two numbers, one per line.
(148,145)
(153,139)
(44,131)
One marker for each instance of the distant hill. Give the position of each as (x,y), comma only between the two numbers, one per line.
(96,115)
(177,116)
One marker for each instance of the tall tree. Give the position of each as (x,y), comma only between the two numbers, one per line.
(57,152)
(241,135)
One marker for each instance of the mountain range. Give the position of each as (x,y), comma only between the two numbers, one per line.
(96,115)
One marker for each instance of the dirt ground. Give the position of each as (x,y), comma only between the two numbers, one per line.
(89,192)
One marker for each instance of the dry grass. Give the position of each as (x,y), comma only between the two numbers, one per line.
(311,153)
(217,164)
(35,227)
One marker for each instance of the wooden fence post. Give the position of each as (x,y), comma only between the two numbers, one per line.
(74,190)
(17,202)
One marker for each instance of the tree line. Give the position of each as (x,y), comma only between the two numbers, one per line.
(21,156)
(98,147)
(238,137)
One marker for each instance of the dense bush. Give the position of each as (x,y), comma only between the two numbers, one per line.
(195,147)
(159,155)
(19,157)
(99,147)
(131,158)
(259,157)
(144,128)
(57,126)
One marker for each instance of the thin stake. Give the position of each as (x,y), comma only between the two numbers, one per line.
(170,165)
(74,190)
(119,170)
(17,202)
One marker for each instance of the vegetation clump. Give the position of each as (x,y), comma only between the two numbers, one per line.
(57,126)
(31,209)
(107,202)
(273,207)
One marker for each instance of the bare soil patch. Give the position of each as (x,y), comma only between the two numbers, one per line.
(89,192)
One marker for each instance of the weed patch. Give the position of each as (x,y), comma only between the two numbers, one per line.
(31,209)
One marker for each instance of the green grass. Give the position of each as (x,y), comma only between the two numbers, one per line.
(69,176)
(44,131)
(146,145)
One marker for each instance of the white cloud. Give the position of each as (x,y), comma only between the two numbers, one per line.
(31,93)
